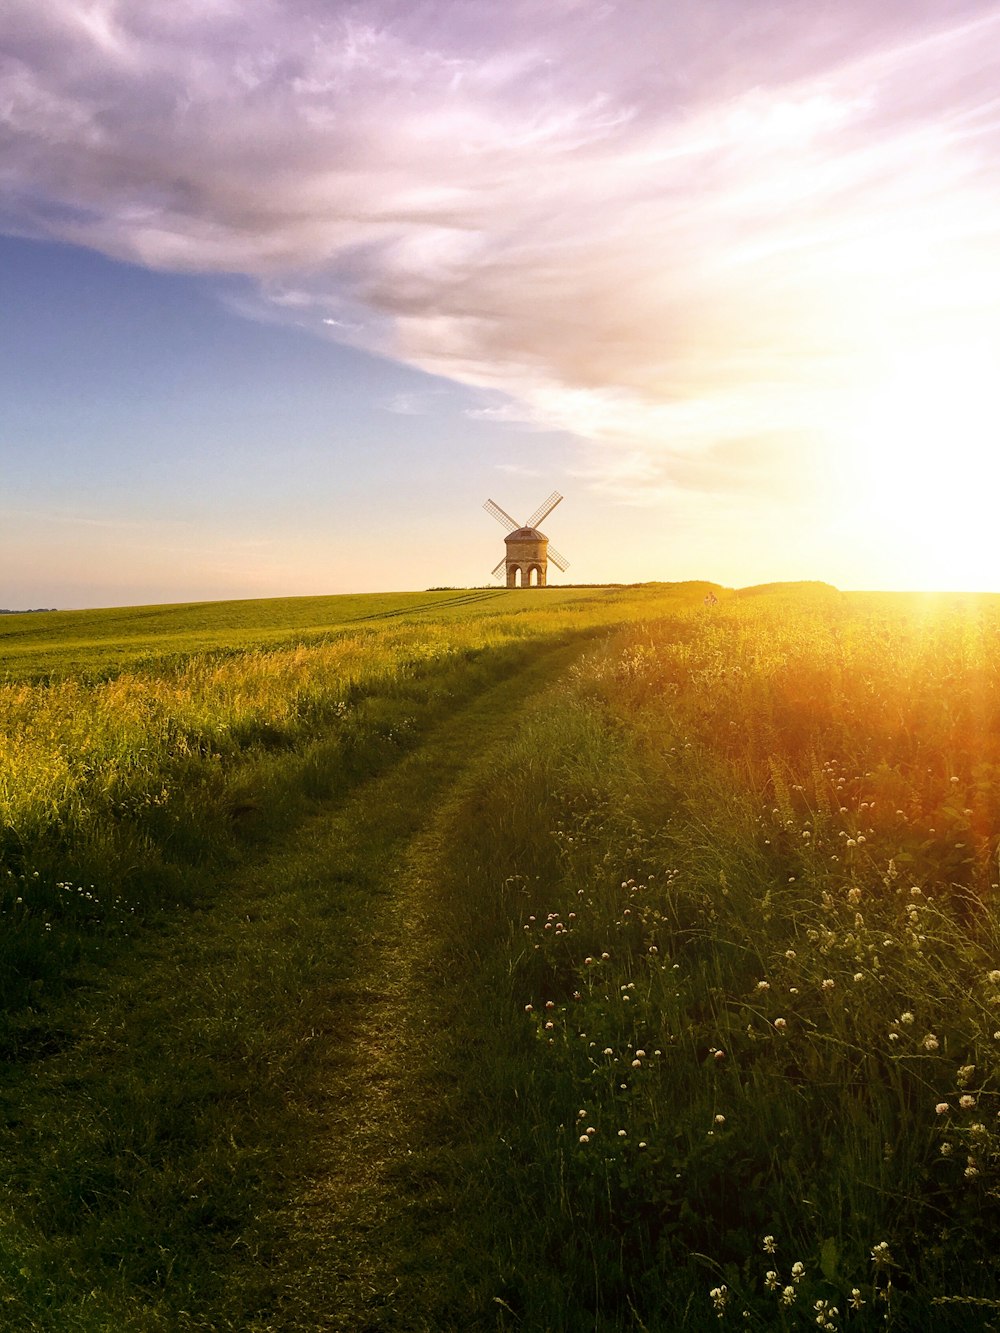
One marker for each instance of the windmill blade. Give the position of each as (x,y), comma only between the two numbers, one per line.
(558,560)
(543,510)
(498,571)
(501,515)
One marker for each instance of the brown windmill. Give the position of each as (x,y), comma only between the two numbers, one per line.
(528,550)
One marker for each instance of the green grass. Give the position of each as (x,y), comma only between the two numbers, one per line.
(598,961)
(745,951)
(101,643)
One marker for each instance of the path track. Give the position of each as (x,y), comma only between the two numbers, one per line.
(381,1089)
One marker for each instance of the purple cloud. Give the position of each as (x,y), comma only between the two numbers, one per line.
(672,230)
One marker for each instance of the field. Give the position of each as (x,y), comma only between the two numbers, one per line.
(571,959)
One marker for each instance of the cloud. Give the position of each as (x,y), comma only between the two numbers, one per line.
(677,232)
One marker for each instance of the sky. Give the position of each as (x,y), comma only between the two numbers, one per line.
(290,287)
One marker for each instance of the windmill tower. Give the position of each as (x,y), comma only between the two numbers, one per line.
(528,550)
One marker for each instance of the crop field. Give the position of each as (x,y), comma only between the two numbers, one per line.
(578,959)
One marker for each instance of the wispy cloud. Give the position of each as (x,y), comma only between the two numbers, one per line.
(681,233)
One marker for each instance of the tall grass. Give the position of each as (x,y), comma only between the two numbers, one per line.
(123,792)
(742,887)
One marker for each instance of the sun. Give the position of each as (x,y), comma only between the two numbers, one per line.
(921,487)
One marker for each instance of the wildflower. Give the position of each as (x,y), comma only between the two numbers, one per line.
(528,1008)
(584,1138)
(768,1245)
(781,1024)
(642,1144)
(829,984)
(763,985)
(964,1074)
(636,1064)
(967,1102)
(859,976)
(825,1314)
(720,1295)
(993,976)
(856,1300)
(788,1296)
(971,1171)
(881,1257)
(946,1149)
(608,1050)
(930,1042)
(906,1018)
(790,954)
(623,1133)
(798,1271)
(771,1280)
(720,1119)
(942,1108)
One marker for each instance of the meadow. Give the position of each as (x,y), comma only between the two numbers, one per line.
(688,906)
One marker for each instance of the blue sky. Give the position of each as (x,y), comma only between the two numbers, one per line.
(289,289)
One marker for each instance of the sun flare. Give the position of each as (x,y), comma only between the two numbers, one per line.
(923,473)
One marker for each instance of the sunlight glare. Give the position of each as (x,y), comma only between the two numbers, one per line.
(924,470)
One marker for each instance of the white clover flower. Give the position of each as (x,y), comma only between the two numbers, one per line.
(829,983)
(720,1119)
(930,1042)
(768,1245)
(788,1296)
(798,1271)
(993,976)
(781,1024)
(906,1018)
(942,1108)
(881,1254)
(946,1150)
(967,1101)
(720,1296)
(771,1280)
(763,985)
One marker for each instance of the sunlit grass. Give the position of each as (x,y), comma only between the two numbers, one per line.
(748,875)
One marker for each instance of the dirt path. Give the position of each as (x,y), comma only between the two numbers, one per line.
(366,1239)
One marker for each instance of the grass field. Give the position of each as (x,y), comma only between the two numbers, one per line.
(598,959)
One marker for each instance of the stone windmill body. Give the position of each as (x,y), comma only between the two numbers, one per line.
(528,549)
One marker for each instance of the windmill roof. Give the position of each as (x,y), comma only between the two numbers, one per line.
(526,535)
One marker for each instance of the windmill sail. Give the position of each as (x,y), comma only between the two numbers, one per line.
(543,510)
(501,515)
(558,560)
(501,566)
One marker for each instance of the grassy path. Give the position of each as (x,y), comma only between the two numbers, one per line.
(256,1126)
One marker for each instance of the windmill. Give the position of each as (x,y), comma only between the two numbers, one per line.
(528,550)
